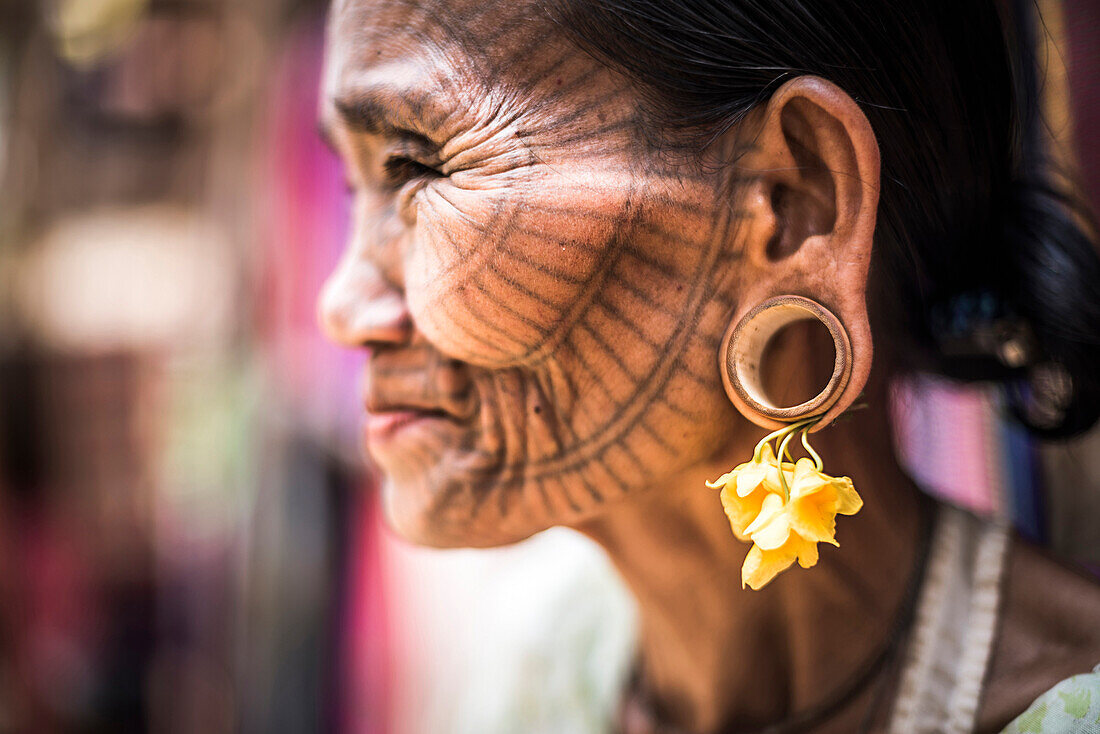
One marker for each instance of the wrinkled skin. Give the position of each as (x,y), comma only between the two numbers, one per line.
(543,293)
(541,284)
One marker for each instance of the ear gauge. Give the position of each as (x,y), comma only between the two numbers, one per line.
(743,351)
(783,507)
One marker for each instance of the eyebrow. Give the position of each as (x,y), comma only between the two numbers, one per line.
(374,111)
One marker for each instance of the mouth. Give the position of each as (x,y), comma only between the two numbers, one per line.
(407,393)
(384,425)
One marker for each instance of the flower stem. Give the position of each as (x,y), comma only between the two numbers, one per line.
(783,436)
(782,473)
(810,449)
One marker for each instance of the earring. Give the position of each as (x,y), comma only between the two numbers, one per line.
(783,507)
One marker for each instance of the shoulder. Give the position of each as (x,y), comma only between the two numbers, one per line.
(1049,632)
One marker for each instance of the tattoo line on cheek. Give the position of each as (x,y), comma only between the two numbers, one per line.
(660,380)
(569,461)
(601,452)
(600,457)
(663,270)
(576,469)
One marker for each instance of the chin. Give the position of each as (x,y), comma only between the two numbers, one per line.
(454,502)
(453,483)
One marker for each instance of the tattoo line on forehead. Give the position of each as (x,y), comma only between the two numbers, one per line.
(432,25)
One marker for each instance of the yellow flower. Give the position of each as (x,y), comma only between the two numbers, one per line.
(746,477)
(786,529)
(740,497)
(816,500)
(762,566)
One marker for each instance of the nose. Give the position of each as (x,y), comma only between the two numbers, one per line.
(358,307)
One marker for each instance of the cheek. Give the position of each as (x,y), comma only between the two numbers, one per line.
(496,276)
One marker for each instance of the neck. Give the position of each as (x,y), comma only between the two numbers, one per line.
(714,654)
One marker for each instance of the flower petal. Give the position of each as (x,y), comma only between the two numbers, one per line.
(807,479)
(813,517)
(762,566)
(751,477)
(741,511)
(771,505)
(806,551)
(752,474)
(848,500)
(723,480)
(772,483)
(771,528)
(729,477)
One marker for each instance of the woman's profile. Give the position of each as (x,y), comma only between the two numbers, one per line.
(587,238)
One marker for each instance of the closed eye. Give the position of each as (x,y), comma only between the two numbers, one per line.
(399,170)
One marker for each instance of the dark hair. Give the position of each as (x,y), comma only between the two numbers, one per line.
(972,237)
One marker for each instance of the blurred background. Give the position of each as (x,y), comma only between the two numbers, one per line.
(188,534)
(182,526)
(188,537)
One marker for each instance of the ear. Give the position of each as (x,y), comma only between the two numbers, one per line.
(811,201)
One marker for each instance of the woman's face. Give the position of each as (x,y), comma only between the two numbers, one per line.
(541,290)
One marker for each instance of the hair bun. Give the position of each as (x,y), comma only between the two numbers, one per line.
(1053,283)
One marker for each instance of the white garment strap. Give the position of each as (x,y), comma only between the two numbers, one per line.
(956,619)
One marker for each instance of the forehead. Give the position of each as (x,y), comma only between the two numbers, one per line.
(475,42)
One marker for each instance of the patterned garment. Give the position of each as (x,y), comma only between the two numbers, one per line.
(1071,707)
(955,627)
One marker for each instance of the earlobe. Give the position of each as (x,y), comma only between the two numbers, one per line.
(812,200)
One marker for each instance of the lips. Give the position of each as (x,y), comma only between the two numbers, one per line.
(393,409)
(382,427)
(416,382)
(381,398)
(380,405)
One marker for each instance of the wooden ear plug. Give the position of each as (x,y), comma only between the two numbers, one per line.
(743,351)
(782,506)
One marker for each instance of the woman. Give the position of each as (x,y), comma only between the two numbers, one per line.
(563,210)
